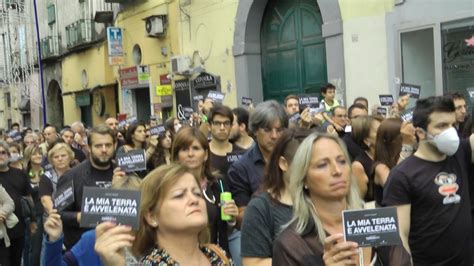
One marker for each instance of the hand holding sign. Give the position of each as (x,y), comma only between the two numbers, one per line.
(336,250)
(111,240)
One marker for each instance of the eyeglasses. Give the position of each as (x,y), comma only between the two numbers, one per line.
(269,130)
(220,123)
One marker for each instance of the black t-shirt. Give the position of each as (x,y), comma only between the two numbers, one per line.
(263,221)
(221,163)
(17,185)
(47,184)
(78,154)
(440,225)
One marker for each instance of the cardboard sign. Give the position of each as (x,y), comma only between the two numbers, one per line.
(132,161)
(372,227)
(247,101)
(64,196)
(386,100)
(311,101)
(382,111)
(119,206)
(413,90)
(407,115)
(198,98)
(470,92)
(216,96)
(15,135)
(294,118)
(157,130)
(233,157)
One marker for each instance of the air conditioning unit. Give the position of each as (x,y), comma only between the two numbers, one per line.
(180,64)
(155,26)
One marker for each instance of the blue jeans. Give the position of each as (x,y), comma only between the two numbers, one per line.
(33,242)
(234,246)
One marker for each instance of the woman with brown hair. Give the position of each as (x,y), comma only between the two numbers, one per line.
(162,153)
(395,140)
(191,149)
(270,209)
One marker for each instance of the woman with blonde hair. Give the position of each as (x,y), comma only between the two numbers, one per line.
(322,186)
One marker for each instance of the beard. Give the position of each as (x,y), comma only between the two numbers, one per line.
(97,161)
(234,136)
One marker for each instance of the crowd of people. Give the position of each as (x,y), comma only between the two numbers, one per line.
(291,169)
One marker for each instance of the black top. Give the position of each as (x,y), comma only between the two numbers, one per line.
(440,225)
(82,175)
(367,163)
(218,228)
(263,221)
(48,183)
(352,148)
(79,155)
(220,163)
(245,175)
(17,185)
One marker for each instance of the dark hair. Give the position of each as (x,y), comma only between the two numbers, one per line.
(48,125)
(185,138)
(354,106)
(219,109)
(389,142)
(66,129)
(289,97)
(242,116)
(425,107)
(101,130)
(325,88)
(169,125)
(455,96)
(131,130)
(158,156)
(286,146)
(14,125)
(363,99)
(361,129)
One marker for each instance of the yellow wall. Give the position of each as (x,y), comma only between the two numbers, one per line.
(365,48)
(210,31)
(131,20)
(95,61)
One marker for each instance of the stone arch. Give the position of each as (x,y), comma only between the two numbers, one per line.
(247,52)
(54,103)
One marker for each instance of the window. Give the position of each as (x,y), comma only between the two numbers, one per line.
(51,14)
(8,99)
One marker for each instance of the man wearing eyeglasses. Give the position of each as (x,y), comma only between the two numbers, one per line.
(340,121)
(17,185)
(267,122)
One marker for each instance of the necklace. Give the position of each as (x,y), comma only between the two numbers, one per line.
(213,200)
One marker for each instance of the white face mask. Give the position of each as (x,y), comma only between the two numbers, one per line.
(447,141)
(14,157)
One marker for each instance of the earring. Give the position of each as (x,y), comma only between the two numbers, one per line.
(306,187)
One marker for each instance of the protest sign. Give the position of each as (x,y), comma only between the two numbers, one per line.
(470,92)
(386,100)
(294,118)
(407,115)
(15,135)
(118,206)
(311,101)
(247,101)
(233,157)
(198,98)
(132,161)
(413,90)
(216,96)
(157,130)
(64,196)
(382,111)
(372,227)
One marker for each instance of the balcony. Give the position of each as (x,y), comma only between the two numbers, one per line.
(50,47)
(80,33)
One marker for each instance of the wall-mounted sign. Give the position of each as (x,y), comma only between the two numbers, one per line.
(163,90)
(204,80)
(115,47)
(134,77)
(181,85)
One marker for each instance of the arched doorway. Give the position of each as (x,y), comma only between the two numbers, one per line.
(293,48)
(55,113)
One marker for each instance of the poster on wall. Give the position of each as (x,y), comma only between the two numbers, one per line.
(114,45)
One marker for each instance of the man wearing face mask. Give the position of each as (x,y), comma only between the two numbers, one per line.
(430,188)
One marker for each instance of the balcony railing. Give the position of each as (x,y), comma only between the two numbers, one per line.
(50,47)
(79,33)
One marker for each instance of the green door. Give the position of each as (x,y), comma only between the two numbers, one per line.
(293,49)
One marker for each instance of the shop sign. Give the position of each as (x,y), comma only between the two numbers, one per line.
(204,80)
(143,75)
(134,77)
(162,90)
(181,85)
(114,45)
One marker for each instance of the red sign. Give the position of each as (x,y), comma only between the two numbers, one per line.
(164,80)
(128,77)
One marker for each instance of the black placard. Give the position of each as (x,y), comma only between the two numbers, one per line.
(413,90)
(181,85)
(382,111)
(132,161)
(64,196)
(198,98)
(216,96)
(233,157)
(118,206)
(470,93)
(157,130)
(15,135)
(407,115)
(311,101)
(204,80)
(372,227)
(294,118)
(386,99)
(247,101)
